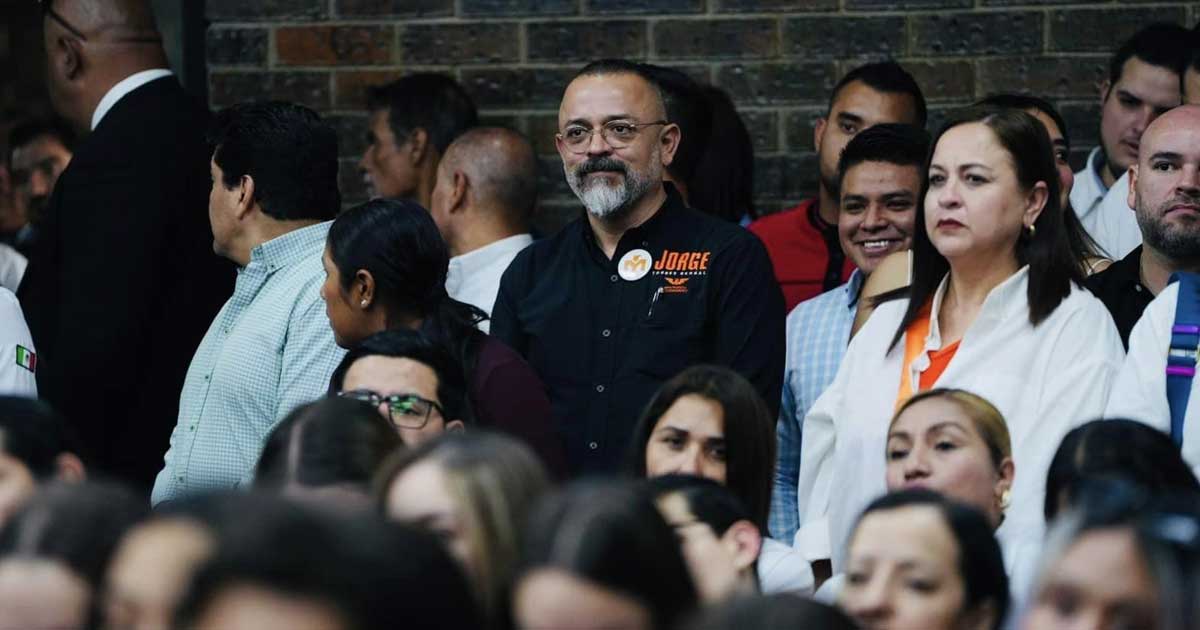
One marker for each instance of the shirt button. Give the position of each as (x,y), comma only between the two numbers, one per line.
(605,333)
(613,278)
(600,388)
(593,445)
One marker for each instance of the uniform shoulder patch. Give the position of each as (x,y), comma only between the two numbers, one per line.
(26,358)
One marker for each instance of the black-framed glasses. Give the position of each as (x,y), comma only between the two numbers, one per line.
(617,133)
(48,11)
(407,411)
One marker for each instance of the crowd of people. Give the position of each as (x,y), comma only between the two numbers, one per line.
(950,391)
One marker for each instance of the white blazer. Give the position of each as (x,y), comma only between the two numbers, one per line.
(1140,392)
(1044,380)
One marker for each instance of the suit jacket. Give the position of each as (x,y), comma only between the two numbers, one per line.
(123,281)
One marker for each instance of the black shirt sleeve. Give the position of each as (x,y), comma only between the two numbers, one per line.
(505,325)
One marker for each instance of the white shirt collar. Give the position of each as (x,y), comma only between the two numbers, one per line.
(1007,299)
(474,260)
(127,85)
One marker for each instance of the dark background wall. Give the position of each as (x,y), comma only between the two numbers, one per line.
(777,58)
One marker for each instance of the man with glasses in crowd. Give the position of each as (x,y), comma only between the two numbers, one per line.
(121,281)
(639,288)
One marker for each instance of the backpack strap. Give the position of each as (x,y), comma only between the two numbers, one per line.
(1181,358)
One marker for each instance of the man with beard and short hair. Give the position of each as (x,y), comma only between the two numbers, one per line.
(39,151)
(1165,195)
(639,288)
(803,241)
(1143,82)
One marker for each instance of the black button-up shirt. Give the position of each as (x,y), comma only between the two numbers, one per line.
(682,288)
(1120,288)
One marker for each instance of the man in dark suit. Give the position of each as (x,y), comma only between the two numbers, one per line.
(122,283)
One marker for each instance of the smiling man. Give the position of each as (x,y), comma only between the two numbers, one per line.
(1143,83)
(882,174)
(1165,195)
(639,288)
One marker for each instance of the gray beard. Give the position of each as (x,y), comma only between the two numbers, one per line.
(607,202)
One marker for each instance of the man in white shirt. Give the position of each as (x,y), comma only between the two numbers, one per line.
(485,193)
(1143,83)
(18,361)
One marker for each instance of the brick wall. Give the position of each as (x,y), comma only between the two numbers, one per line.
(778,58)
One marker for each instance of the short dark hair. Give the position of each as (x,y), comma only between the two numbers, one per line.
(887,77)
(781,610)
(425,100)
(611,533)
(25,132)
(749,432)
(710,502)
(329,441)
(980,562)
(624,66)
(34,434)
(1053,265)
(723,181)
(1161,44)
(1115,448)
(289,152)
(1026,102)
(371,573)
(687,107)
(414,345)
(894,143)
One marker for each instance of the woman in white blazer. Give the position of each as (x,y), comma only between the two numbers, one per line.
(995,307)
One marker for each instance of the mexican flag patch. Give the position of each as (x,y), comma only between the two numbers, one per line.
(26,358)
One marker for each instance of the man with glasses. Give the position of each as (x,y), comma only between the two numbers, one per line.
(639,288)
(415,383)
(122,282)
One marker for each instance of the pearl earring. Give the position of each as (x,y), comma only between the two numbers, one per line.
(363,303)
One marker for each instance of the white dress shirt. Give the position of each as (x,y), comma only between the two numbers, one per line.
(474,277)
(781,569)
(17,358)
(1105,212)
(12,267)
(1140,391)
(122,88)
(1044,380)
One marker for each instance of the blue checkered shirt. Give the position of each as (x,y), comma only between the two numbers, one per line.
(269,350)
(818,331)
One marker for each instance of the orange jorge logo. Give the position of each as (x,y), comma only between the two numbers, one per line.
(682,263)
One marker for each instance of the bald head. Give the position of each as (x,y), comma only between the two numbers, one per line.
(118,19)
(1167,129)
(500,168)
(1164,186)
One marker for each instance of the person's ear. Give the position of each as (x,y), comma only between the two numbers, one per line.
(458,193)
(818,132)
(68,467)
(1105,87)
(744,542)
(363,289)
(455,425)
(1131,199)
(1035,202)
(68,61)
(1005,476)
(418,145)
(669,143)
(245,201)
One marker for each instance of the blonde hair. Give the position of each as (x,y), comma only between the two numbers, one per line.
(987,420)
(495,481)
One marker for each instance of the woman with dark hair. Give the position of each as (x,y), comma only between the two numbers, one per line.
(995,307)
(327,450)
(709,421)
(722,183)
(773,612)
(53,553)
(474,490)
(601,551)
(1115,449)
(35,447)
(917,560)
(386,264)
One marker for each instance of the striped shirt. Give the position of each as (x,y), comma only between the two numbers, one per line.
(269,350)
(818,331)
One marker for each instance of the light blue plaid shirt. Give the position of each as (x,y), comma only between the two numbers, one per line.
(269,350)
(818,331)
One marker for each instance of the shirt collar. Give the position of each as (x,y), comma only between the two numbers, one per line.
(290,248)
(1007,299)
(639,235)
(853,288)
(478,259)
(123,88)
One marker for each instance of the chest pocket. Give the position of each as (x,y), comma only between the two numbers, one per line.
(668,335)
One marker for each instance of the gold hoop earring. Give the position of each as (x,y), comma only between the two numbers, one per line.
(1005,499)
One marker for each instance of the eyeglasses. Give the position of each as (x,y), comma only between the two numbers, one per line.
(617,133)
(406,411)
(48,11)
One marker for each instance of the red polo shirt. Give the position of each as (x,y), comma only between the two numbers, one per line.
(804,251)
